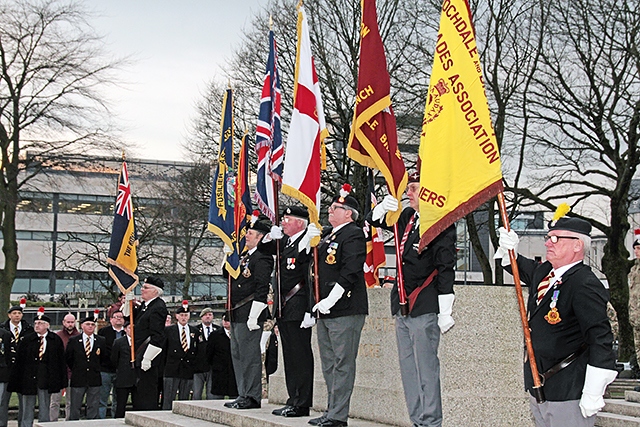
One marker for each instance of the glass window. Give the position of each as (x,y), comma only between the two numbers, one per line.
(20,286)
(64,286)
(40,286)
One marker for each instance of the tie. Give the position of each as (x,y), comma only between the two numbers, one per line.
(87,347)
(16,332)
(407,231)
(183,340)
(41,351)
(543,286)
(208,332)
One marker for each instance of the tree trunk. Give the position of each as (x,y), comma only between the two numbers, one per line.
(9,248)
(472,228)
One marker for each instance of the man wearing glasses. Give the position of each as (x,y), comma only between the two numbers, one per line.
(570,331)
(343,305)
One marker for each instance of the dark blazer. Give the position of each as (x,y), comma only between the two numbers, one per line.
(180,364)
(109,335)
(121,359)
(440,254)
(5,355)
(582,307)
(341,257)
(85,372)
(13,350)
(253,281)
(223,378)
(149,323)
(294,269)
(30,373)
(201,364)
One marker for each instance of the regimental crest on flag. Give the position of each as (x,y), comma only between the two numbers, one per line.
(123,258)
(434,101)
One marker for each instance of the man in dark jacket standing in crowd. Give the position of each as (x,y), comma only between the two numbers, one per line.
(125,374)
(108,370)
(202,371)
(5,363)
(223,378)
(68,330)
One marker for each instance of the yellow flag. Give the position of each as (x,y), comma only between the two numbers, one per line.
(460,162)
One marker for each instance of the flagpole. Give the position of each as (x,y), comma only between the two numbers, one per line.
(402,293)
(538,391)
(133,346)
(316,279)
(276,209)
(228,297)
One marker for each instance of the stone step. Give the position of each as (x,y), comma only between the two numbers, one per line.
(214,411)
(605,419)
(93,423)
(164,419)
(622,407)
(632,396)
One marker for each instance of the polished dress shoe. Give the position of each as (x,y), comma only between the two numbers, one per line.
(247,403)
(328,422)
(233,403)
(295,411)
(316,421)
(279,411)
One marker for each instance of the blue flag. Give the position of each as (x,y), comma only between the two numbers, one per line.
(222,206)
(243,197)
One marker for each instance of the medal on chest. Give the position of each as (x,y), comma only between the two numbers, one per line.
(553,316)
(246,273)
(291,263)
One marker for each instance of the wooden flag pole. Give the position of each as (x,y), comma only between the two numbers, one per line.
(537,384)
(133,343)
(276,208)
(402,293)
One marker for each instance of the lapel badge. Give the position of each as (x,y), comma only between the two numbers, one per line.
(98,352)
(330,259)
(246,273)
(553,317)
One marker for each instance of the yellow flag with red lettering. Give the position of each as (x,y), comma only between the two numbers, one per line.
(460,162)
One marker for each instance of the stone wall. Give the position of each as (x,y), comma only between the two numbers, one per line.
(481,364)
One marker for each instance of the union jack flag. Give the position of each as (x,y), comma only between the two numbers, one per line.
(269,146)
(124,206)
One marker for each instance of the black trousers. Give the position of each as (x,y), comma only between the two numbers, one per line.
(146,398)
(298,362)
(122,395)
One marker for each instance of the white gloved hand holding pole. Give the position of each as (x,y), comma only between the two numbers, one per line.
(256,309)
(308,321)
(596,381)
(445,318)
(126,306)
(305,243)
(388,204)
(149,354)
(324,306)
(276,232)
(507,240)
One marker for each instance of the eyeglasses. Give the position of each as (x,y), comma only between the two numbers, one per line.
(334,207)
(554,239)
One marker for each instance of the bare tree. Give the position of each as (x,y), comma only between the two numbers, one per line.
(52,67)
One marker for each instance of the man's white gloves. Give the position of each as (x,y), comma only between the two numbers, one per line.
(276,232)
(256,309)
(149,354)
(324,306)
(506,241)
(388,204)
(308,321)
(305,243)
(595,382)
(445,320)
(129,296)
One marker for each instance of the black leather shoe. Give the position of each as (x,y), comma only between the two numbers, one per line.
(279,411)
(328,422)
(316,421)
(296,411)
(247,403)
(233,403)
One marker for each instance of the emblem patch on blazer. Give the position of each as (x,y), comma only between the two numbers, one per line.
(246,273)
(98,352)
(330,259)
(553,317)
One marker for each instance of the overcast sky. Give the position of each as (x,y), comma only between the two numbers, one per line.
(178,47)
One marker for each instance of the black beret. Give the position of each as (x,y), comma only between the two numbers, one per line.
(182,309)
(414,176)
(126,323)
(14,308)
(636,243)
(262,224)
(44,318)
(297,211)
(90,318)
(155,281)
(349,200)
(576,225)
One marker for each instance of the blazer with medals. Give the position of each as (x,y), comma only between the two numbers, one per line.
(341,257)
(439,255)
(581,304)
(30,372)
(12,348)
(85,371)
(180,364)
(252,284)
(294,270)
(149,328)
(121,359)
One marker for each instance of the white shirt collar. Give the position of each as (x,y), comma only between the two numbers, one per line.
(557,273)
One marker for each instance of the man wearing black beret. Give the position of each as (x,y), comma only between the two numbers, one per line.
(248,302)
(570,330)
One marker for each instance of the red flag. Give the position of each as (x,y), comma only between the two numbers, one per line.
(375,252)
(374,139)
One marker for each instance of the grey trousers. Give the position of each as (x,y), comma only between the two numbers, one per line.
(418,339)
(338,340)
(29,405)
(247,360)
(93,402)
(171,386)
(559,414)
(202,382)
(4,407)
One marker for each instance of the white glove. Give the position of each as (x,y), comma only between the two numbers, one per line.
(305,242)
(276,232)
(308,321)
(149,354)
(227,249)
(324,306)
(596,381)
(388,204)
(256,309)
(125,309)
(445,320)
(507,240)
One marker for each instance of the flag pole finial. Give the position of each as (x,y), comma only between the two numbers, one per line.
(123,156)
(270,22)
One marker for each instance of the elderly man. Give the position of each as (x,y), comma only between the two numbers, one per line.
(68,330)
(249,300)
(428,280)
(40,370)
(108,370)
(295,305)
(149,339)
(570,331)
(343,305)
(202,370)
